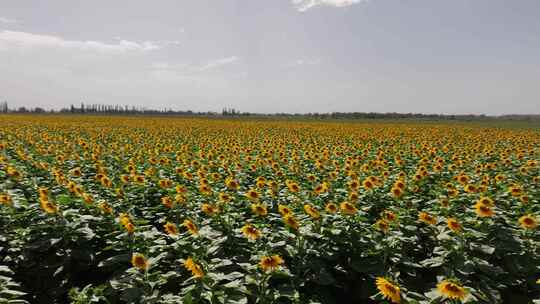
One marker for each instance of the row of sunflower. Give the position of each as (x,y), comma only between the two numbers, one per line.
(163,210)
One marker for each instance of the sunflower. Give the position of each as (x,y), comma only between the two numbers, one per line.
(453,224)
(331,208)
(452,192)
(427,218)
(515,190)
(196,269)
(486,201)
(124,218)
(250,232)
(451,290)
(396,192)
(167,201)
(190,226)
(483,210)
(205,189)
(389,290)
(170,228)
(368,184)
(139,261)
(209,209)
(312,211)
(270,263)
(130,228)
(291,221)
(389,216)
(224,197)
(293,186)
(463,179)
(284,210)
(354,184)
(139,179)
(48,206)
(165,183)
(231,183)
(444,202)
(124,178)
(348,208)
(252,194)
(106,208)
(471,189)
(43,193)
(382,225)
(259,209)
(5,199)
(528,221)
(320,188)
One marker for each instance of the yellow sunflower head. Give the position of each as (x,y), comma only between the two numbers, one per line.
(451,290)
(139,261)
(390,291)
(528,221)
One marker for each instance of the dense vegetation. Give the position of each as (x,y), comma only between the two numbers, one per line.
(175,210)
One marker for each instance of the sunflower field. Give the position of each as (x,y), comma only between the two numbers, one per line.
(195,210)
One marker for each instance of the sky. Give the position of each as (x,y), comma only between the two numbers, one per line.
(268,56)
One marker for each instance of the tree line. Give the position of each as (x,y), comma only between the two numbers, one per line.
(105,109)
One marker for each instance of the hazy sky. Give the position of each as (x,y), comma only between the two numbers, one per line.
(431,56)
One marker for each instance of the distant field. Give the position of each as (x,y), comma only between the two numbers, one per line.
(97,209)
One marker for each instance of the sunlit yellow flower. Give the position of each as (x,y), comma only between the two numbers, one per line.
(368,184)
(139,261)
(250,232)
(252,194)
(515,190)
(331,208)
(291,221)
(139,179)
(389,290)
(396,192)
(312,211)
(483,210)
(165,183)
(451,290)
(284,210)
(471,188)
(196,269)
(453,224)
(170,228)
(130,228)
(293,186)
(190,226)
(209,209)
(528,221)
(427,218)
(48,206)
(5,199)
(270,263)
(382,225)
(224,197)
(389,216)
(486,201)
(167,201)
(348,208)
(259,209)
(231,183)
(106,208)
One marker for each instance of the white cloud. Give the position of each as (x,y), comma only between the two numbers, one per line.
(218,63)
(303,61)
(304,5)
(7,20)
(10,39)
